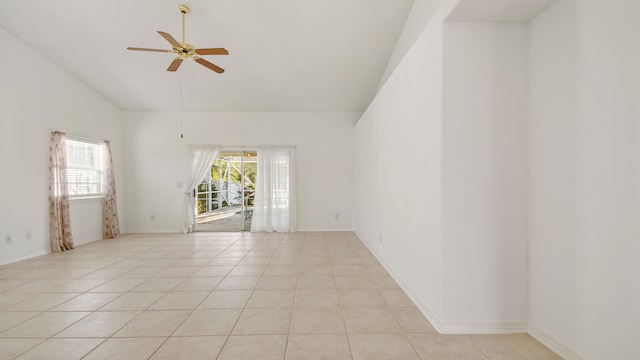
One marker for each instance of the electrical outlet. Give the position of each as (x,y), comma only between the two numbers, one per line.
(152,217)
(27,236)
(8,239)
(380,239)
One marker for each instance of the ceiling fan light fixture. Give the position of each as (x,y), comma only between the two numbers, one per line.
(183,50)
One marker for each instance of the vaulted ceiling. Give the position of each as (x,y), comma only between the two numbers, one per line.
(285,55)
(508,11)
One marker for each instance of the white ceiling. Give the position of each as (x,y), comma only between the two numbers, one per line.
(498,10)
(285,55)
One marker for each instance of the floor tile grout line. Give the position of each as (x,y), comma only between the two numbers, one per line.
(237,320)
(163,248)
(94,348)
(486,356)
(293,301)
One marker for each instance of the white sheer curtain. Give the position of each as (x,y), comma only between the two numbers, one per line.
(200,161)
(59,213)
(274,207)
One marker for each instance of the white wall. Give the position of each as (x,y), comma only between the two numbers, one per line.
(446,187)
(157,157)
(37,97)
(484,177)
(585,179)
(422,12)
(576,159)
(397,179)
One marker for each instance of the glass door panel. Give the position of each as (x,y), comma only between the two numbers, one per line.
(225,198)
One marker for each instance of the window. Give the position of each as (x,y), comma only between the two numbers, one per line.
(85,168)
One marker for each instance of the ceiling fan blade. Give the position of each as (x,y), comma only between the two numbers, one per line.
(175,64)
(212,51)
(211,66)
(145,49)
(170,39)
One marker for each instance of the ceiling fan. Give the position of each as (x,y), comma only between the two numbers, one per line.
(184,50)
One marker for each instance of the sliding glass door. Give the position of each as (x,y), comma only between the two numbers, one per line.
(225,198)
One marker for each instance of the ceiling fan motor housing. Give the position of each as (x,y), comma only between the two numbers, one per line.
(185,51)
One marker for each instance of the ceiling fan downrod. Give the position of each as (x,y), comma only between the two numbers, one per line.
(184,9)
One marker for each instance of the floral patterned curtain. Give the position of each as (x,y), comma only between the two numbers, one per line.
(59,214)
(110,224)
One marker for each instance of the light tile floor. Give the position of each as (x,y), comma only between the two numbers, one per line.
(225,296)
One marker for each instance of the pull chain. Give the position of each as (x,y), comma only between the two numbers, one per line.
(181,116)
(184,9)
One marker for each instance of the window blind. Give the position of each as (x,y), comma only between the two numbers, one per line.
(85,168)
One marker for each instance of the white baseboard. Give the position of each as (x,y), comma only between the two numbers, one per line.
(562,350)
(322,230)
(154,231)
(424,309)
(79,243)
(462,327)
(44,252)
(25,257)
(172,230)
(451,327)
(434,319)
